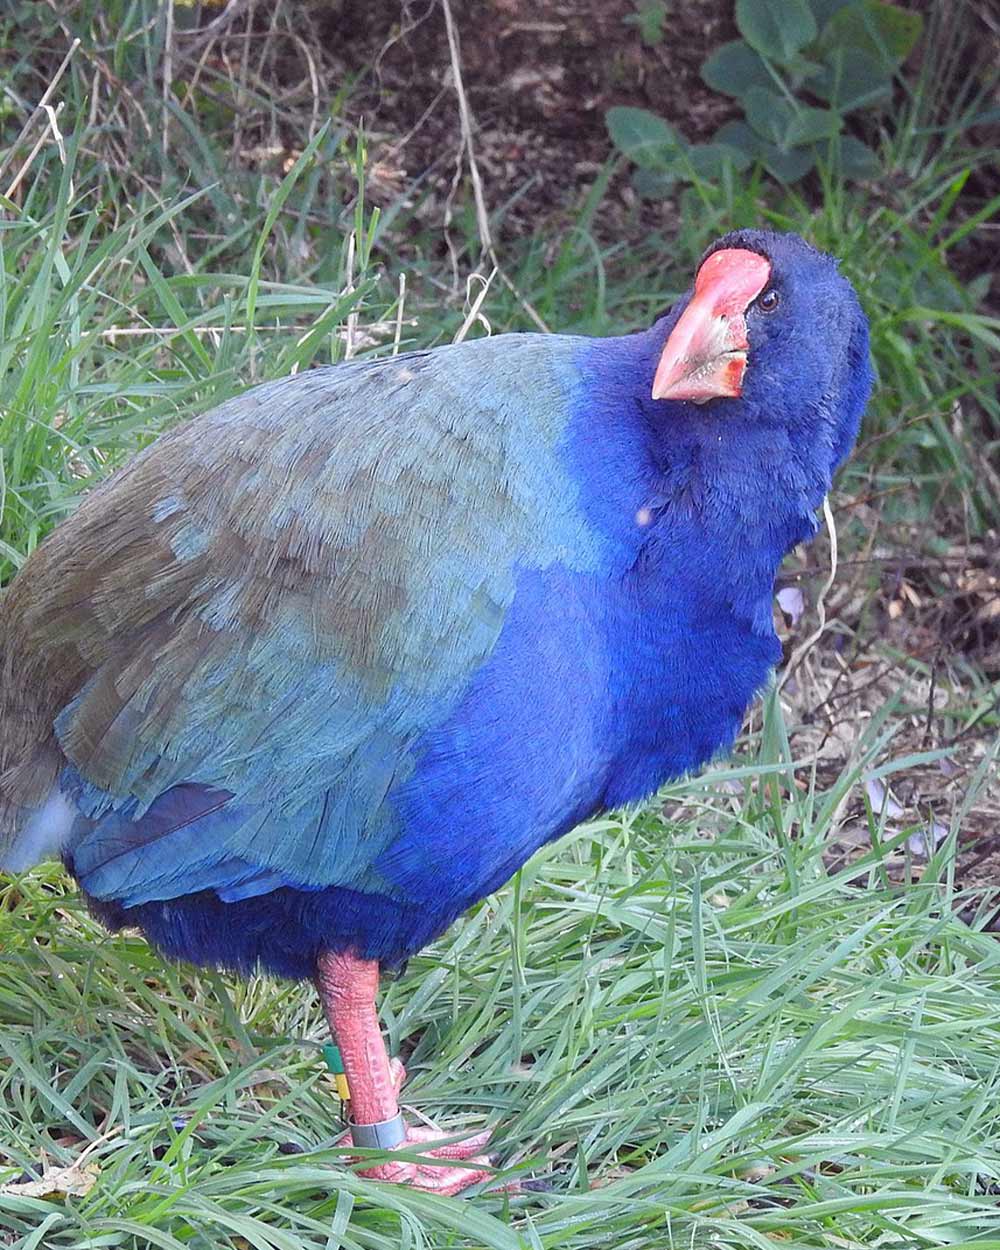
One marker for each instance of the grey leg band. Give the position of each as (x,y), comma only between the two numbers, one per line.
(385,1135)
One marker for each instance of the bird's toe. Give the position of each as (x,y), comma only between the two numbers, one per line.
(467,1148)
(442,1177)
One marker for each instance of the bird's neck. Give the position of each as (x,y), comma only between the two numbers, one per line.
(677,485)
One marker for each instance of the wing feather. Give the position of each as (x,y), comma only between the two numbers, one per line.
(273,602)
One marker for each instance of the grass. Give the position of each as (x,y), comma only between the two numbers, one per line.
(690,1013)
(700,1032)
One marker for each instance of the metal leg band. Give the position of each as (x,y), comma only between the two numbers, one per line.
(385,1135)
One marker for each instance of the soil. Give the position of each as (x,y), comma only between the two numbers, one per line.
(539,78)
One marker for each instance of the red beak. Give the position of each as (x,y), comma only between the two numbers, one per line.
(705,356)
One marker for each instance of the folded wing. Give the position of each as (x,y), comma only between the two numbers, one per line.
(225,657)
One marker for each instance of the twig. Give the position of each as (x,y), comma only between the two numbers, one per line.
(465,117)
(397,337)
(241,83)
(53,115)
(313,83)
(168,73)
(482,214)
(804,648)
(373,328)
(95,99)
(194,79)
(39,107)
(394,149)
(474,314)
(929,725)
(352,316)
(97,1142)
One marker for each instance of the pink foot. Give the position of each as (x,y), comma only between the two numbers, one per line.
(347,985)
(433,1177)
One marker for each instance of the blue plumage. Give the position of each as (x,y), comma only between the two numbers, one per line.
(326,665)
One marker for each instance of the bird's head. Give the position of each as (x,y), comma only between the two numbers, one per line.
(770,339)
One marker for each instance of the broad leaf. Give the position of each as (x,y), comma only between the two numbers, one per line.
(741,138)
(787,165)
(776,28)
(850,157)
(884,32)
(709,160)
(654,184)
(734,68)
(852,79)
(642,136)
(768,113)
(810,125)
(799,70)
(823,10)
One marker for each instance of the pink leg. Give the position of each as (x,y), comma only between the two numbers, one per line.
(348,985)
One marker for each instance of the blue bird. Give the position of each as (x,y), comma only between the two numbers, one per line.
(324,666)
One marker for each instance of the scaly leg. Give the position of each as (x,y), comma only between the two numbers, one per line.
(348,985)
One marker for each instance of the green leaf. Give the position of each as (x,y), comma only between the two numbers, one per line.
(787,123)
(776,28)
(642,136)
(809,125)
(850,157)
(799,70)
(739,136)
(858,160)
(709,160)
(978,288)
(769,114)
(852,79)
(734,68)
(823,10)
(883,32)
(654,184)
(787,165)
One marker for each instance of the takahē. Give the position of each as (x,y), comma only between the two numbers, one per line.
(324,666)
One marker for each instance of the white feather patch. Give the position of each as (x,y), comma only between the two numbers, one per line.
(44,835)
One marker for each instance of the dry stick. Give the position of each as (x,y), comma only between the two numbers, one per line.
(313,83)
(482,215)
(52,114)
(168,74)
(803,650)
(195,78)
(95,99)
(399,314)
(352,316)
(40,106)
(241,82)
(166,332)
(473,314)
(465,117)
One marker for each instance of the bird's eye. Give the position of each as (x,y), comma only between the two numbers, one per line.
(769,301)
